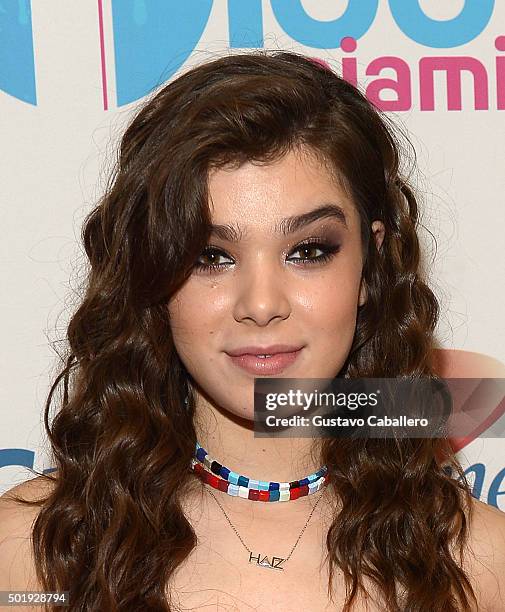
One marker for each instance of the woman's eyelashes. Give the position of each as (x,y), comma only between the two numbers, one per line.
(308,249)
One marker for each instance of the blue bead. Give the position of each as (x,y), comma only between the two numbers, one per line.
(243,481)
(233,478)
(274,496)
(200,454)
(304,481)
(274,486)
(263,486)
(225,472)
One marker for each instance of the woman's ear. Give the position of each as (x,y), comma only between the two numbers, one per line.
(378,231)
(362,292)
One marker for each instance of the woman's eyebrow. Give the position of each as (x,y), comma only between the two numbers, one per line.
(288,225)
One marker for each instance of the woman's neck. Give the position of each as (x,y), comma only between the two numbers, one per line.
(230,441)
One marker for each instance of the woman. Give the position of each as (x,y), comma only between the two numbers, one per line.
(258,209)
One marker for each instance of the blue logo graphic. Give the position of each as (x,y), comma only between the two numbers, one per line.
(356,21)
(17,64)
(19,456)
(152,40)
(470,22)
(16,456)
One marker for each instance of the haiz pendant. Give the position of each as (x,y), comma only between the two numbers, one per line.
(265,562)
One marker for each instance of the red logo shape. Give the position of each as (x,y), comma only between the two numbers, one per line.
(452,363)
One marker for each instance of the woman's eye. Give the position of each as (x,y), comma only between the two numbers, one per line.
(209,260)
(309,250)
(212,255)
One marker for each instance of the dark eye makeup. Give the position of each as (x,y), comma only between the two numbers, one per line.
(329,250)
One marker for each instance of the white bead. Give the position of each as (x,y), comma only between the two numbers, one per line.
(284,496)
(243,492)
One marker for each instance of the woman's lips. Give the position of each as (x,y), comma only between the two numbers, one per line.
(265,365)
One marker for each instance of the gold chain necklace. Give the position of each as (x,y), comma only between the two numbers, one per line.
(264,561)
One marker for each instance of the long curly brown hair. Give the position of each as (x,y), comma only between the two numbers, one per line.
(112,529)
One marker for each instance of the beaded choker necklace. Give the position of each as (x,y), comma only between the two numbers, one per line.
(222,478)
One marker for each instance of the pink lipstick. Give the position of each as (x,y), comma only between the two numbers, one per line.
(268,360)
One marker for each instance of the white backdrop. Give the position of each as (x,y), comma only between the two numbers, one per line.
(63,107)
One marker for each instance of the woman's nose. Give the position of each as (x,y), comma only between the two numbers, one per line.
(262,295)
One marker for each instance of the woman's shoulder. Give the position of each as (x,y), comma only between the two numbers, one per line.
(16,522)
(485,559)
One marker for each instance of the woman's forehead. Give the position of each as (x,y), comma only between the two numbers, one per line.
(285,195)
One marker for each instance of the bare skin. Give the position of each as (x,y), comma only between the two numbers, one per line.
(199,582)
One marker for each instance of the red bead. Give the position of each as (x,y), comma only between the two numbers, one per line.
(213,481)
(223,485)
(254,494)
(294,493)
(264,495)
(304,490)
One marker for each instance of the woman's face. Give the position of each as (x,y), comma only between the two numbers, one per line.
(283,275)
